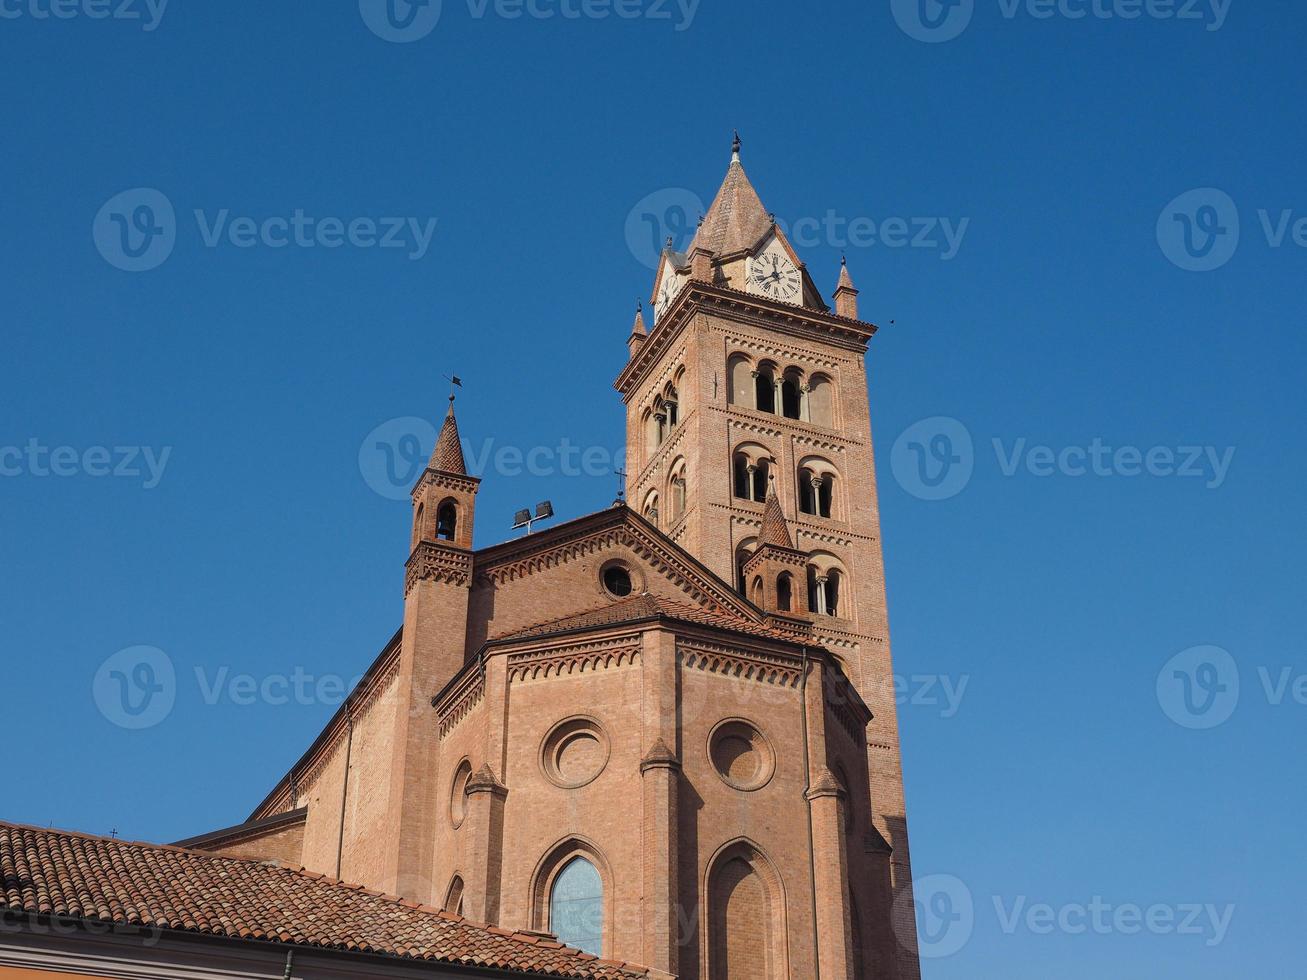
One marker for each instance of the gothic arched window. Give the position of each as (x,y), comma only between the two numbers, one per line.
(454,897)
(576,907)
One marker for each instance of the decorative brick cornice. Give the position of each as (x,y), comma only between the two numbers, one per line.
(576,658)
(440,478)
(799,356)
(458,701)
(785,671)
(435,561)
(701,298)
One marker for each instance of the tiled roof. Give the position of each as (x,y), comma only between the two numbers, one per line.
(50,872)
(448,454)
(647,606)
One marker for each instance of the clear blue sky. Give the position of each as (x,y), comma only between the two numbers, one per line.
(1060,320)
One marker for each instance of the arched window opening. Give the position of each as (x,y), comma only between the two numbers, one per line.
(671,405)
(791,398)
(740,386)
(576,907)
(784,592)
(764,391)
(756,594)
(825,494)
(677,492)
(807,495)
(447,521)
(417,523)
(814,594)
(833,583)
(454,897)
(740,466)
(651,509)
(760,474)
(821,401)
(651,432)
(742,555)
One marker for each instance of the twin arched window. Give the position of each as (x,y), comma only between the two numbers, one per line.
(824,591)
(816,489)
(791,392)
(750,470)
(666,413)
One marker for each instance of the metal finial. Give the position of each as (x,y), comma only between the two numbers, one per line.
(735,147)
(844,260)
(670,241)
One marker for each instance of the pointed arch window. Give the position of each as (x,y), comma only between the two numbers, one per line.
(454,897)
(576,906)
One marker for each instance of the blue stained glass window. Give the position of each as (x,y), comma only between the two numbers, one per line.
(576,907)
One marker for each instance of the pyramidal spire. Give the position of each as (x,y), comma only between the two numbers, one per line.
(846,294)
(638,328)
(736,220)
(448,454)
(775,529)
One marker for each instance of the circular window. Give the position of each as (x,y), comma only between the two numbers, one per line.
(574,752)
(741,756)
(458,794)
(617,580)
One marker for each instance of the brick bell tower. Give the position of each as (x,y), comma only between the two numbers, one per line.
(747,400)
(437,586)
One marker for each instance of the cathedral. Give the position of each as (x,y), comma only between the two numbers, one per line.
(663,733)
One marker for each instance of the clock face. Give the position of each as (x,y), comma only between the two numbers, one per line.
(774,275)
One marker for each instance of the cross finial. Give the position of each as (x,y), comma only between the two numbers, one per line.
(735,148)
(620,473)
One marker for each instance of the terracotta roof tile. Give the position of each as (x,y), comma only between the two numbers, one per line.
(736,219)
(774,528)
(51,872)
